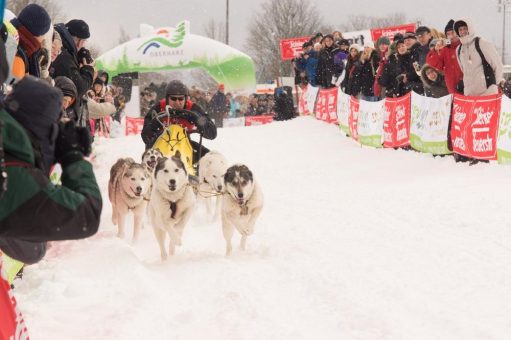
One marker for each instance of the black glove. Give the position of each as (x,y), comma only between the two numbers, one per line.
(68,147)
(84,53)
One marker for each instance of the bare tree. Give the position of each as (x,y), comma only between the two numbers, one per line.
(363,22)
(123,36)
(215,30)
(54,10)
(279,19)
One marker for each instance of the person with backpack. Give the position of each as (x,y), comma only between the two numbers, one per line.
(479,61)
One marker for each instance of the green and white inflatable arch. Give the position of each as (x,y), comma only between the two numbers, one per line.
(170,48)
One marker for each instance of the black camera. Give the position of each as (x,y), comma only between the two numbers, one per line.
(84,53)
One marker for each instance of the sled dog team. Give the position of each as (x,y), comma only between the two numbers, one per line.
(161,187)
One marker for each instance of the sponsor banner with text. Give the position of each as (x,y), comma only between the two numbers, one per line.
(370,123)
(353,117)
(504,137)
(134,125)
(391,31)
(343,111)
(326,105)
(258,120)
(430,124)
(474,126)
(396,126)
(290,48)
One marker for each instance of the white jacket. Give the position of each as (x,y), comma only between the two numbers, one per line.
(472,66)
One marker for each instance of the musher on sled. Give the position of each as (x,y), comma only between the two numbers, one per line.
(177,110)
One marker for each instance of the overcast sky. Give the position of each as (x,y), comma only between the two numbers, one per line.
(105,17)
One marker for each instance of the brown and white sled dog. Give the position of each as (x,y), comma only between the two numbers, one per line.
(212,168)
(241,205)
(150,157)
(127,189)
(172,202)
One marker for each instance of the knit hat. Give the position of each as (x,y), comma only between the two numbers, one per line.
(343,42)
(78,28)
(221,86)
(356,46)
(98,81)
(67,87)
(368,43)
(35,19)
(37,107)
(449,26)
(383,40)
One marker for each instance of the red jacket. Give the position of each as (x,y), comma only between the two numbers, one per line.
(446,62)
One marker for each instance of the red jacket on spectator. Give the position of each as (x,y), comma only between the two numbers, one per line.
(445,61)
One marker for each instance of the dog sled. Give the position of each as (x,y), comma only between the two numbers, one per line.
(175,138)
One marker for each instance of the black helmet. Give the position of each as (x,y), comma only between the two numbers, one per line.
(176,87)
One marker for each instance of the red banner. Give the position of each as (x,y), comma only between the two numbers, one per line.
(353,117)
(258,120)
(391,31)
(474,126)
(134,126)
(326,105)
(290,48)
(396,128)
(303,108)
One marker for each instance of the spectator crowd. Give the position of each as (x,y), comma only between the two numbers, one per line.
(428,61)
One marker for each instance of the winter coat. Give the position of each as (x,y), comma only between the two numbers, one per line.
(472,66)
(367,71)
(446,62)
(435,89)
(351,82)
(326,67)
(397,66)
(33,209)
(422,53)
(99,110)
(67,64)
(311,68)
(218,105)
(152,129)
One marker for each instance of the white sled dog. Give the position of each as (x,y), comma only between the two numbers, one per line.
(241,206)
(172,202)
(150,157)
(127,189)
(212,168)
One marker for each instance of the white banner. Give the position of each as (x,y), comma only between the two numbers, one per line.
(231,122)
(429,124)
(358,37)
(343,111)
(370,123)
(312,93)
(504,138)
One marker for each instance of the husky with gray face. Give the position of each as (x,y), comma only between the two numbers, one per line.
(127,189)
(150,157)
(241,204)
(172,202)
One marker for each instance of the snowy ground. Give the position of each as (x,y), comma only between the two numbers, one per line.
(353,243)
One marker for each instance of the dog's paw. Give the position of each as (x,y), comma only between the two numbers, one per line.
(120,235)
(228,251)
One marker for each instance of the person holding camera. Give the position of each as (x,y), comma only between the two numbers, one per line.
(33,210)
(75,61)
(443,58)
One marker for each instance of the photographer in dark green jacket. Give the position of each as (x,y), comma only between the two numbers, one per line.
(33,210)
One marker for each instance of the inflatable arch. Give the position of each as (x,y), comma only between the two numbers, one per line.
(170,48)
